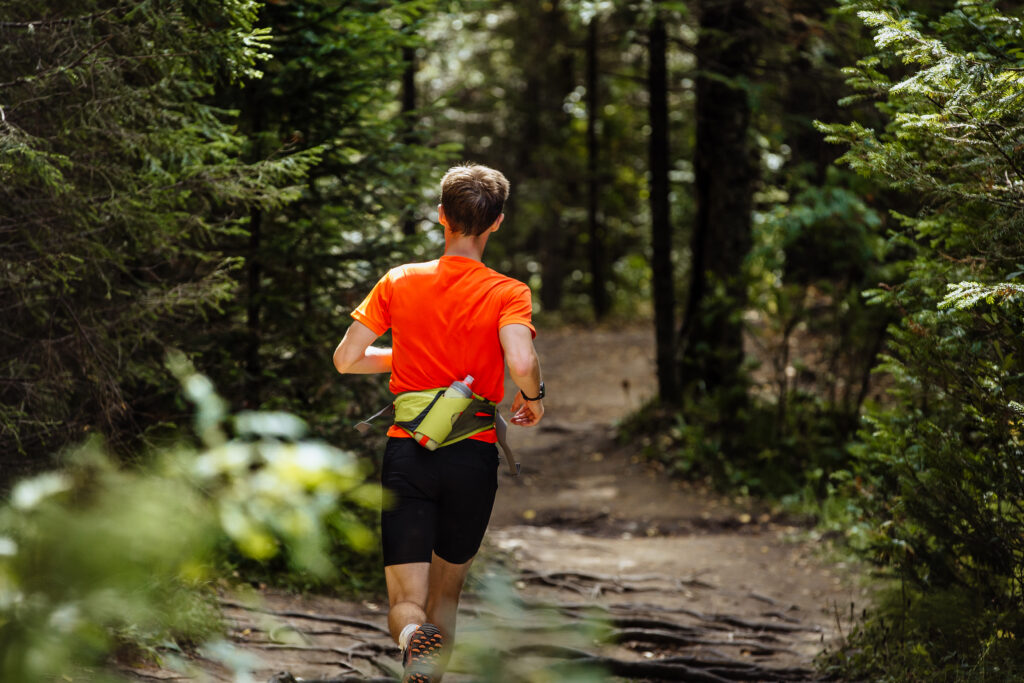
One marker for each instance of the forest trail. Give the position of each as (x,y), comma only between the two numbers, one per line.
(676,582)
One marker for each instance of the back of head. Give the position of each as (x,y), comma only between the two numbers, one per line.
(473,197)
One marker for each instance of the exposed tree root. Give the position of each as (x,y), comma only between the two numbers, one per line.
(664,639)
(373,649)
(610,583)
(724,621)
(685,647)
(285,677)
(303,633)
(673,668)
(312,616)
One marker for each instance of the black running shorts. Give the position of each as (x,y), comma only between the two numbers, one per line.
(440,500)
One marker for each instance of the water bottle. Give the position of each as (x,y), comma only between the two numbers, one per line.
(437,423)
(459,389)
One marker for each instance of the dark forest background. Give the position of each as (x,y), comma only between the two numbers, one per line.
(817,207)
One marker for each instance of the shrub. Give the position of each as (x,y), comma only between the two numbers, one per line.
(93,556)
(937,473)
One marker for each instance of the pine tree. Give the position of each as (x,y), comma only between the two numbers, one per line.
(938,468)
(331,85)
(116,173)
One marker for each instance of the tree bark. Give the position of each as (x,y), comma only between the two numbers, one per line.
(254,301)
(554,69)
(663,282)
(597,250)
(253,367)
(408,107)
(711,337)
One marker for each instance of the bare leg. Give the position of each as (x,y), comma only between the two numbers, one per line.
(446,582)
(408,586)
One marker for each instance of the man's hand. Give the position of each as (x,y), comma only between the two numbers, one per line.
(526,413)
(524,369)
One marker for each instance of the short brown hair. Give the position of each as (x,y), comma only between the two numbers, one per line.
(473,197)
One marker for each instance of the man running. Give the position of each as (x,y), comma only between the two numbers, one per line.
(449,318)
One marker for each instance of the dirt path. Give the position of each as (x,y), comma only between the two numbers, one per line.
(609,559)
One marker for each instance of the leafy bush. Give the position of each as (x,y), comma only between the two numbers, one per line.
(943,460)
(93,556)
(508,620)
(938,471)
(937,475)
(116,173)
(775,455)
(914,636)
(814,342)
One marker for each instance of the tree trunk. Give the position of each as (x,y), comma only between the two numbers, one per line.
(548,73)
(557,79)
(597,249)
(408,107)
(711,335)
(811,92)
(253,362)
(663,284)
(552,261)
(253,367)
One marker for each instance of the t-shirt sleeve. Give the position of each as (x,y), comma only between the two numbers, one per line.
(375,311)
(518,308)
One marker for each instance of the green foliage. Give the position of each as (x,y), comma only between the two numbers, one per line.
(965,295)
(780,453)
(116,171)
(329,87)
(814,342)
(936,477)
(511,83)
(516,625)
(914,636)
(952,136)
(90,557)
(940,459)
(277,486)
(93,556)
(779,426)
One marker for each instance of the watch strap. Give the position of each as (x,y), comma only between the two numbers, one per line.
(538,397)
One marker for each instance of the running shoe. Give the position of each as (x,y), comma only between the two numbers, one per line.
(422,657)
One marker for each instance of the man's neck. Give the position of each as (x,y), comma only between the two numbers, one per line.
(468,247)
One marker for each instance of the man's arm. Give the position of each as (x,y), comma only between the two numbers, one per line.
(524,368)
(355,355)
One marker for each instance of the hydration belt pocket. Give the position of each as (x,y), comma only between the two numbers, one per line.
(435,420)
(474,416)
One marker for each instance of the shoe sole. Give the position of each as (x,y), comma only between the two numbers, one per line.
(425,649)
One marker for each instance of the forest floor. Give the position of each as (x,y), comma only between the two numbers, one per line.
(594,555)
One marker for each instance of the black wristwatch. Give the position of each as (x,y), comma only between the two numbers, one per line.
(535,398)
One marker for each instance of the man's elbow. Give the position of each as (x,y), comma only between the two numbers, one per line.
(523,365)
(341,364)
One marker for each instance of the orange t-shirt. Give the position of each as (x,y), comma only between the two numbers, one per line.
(444,317)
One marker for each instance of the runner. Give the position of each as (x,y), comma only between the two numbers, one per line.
(450,319)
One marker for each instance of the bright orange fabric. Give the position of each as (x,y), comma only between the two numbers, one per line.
(444,317)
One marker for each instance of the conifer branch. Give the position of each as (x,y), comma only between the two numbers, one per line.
(58,69)
(41,23)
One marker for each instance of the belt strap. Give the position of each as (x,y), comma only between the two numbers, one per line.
(365,426)
(500,429)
